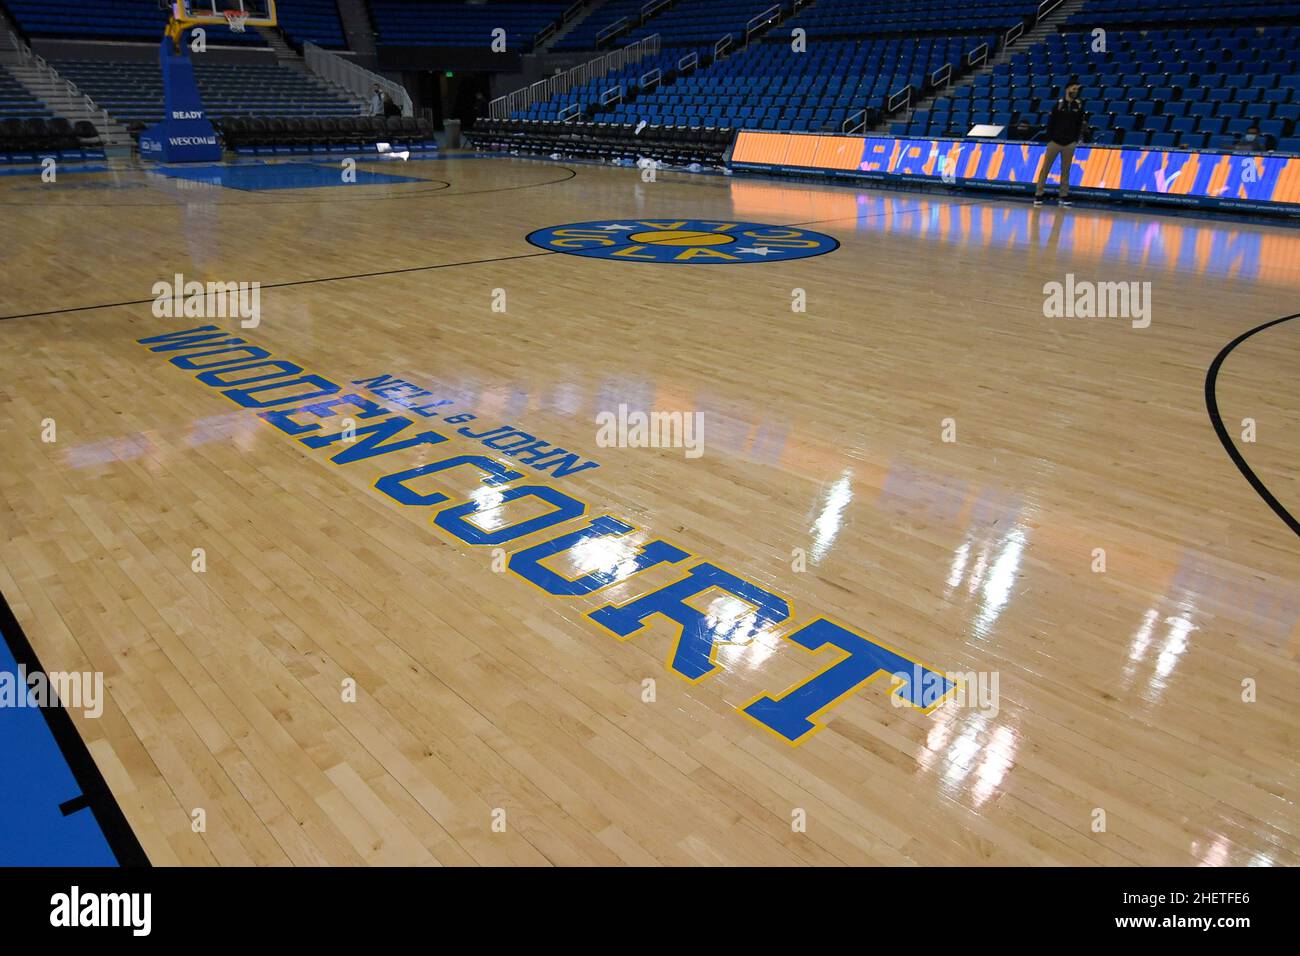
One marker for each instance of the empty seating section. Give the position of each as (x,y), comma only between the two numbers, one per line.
(586,99)
(1190,88)
(700,23)
(29,130)
(1172,73)
(314,20)
(133,91)
(769,86)
(280,135)
(108,20)
(29,140)
(583,35)
(611,141)
(1169,13)
(1167,73)
(844,18)
(686,27)
(859,53)
(420,23)
(16,102)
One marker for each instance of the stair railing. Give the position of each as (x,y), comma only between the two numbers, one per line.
(353,78)
(541,91)
(648,10)
(621,25)
(550,29)
(28,57)
(759,22)
(1047,7)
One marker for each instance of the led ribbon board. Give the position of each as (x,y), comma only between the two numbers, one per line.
(1214,179)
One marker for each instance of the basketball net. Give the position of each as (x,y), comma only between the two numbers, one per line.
(235,19)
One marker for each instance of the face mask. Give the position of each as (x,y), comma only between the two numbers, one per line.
(1250,137)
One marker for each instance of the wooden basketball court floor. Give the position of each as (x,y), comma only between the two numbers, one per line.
(1087,539)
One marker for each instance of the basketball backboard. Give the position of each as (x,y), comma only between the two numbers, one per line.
(261,13)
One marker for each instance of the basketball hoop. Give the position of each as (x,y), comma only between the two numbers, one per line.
(235,19)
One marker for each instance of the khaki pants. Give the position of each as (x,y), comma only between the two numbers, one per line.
(1049,157)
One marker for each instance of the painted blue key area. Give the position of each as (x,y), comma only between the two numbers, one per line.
(35,780)
(256,176)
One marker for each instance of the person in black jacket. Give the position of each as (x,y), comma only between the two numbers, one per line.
(1064,130)
(1252,142)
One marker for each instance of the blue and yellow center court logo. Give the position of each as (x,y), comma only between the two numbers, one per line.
(688,241)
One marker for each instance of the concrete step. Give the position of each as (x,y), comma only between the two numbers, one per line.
(1045,27)
(563,31)
(354,15)
(59,96)
(285,55)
